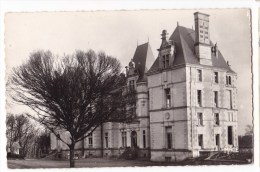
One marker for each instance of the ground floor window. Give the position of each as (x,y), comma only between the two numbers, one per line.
(168,159)
(90,141)
(106,140)
(200,140)
(217,139)
(124,139)
(144,139)
(133,139)
(230,135)
(168,137)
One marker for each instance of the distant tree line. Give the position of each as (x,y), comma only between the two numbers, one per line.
(23,135)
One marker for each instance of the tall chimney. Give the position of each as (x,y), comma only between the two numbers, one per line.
(202,39)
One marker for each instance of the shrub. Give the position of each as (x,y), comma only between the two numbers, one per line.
(14,156)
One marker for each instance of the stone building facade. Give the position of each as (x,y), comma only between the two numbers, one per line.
(186,101)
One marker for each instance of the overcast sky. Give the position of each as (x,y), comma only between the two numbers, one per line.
(117,33)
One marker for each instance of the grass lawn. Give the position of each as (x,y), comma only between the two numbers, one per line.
(100,162)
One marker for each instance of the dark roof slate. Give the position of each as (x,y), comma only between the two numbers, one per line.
(143,59)
(184,39)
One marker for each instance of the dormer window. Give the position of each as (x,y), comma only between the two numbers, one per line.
(166,61)
(228,80)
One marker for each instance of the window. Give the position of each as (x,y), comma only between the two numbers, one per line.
(228,80)
(230,116)
(124,139)
(106,140)
(168,97)
(90,141)
(168,159)
(230,135)
(200,119)
(216,77)
(216,119)
(200,140)
(132,84)
(215,99)
(144,139)
(166,61)
(168,137)
(199,98)
(217,140)
(199,73)
(229,99)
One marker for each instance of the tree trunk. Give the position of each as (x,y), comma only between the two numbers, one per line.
(72,161)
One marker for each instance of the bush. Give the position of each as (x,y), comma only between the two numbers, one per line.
(14,156)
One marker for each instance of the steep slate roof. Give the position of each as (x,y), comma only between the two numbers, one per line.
(184,39)
(143,59)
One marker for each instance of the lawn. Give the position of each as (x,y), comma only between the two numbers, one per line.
(92,162)
(102,162)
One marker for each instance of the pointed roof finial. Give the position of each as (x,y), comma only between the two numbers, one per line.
(148,38)
(137,42)
(177,23)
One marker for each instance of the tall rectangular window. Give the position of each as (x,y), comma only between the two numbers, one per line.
(216,119)
(199,98)
(229,99)
(228,80)
(144,139)
(215,99)
(124,139)
(216,77)
(200,119)
(200,140)
(230,135)
(217,139)
(199,75)
(166,61)
(168,97)
(106,140)
(90,141)
(168,137)
(132,84)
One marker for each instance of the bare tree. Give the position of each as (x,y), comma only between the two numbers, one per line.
(72,93)
(126,102)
